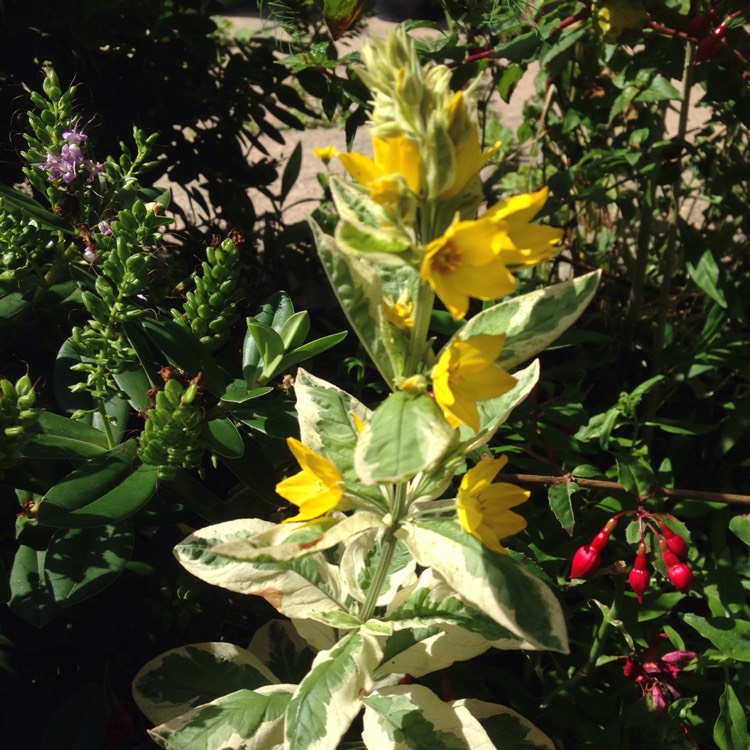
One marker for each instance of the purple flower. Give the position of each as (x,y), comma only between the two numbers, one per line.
(105,228)
(66,164)
(90,255)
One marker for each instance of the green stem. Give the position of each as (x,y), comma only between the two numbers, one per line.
(386,555)
(422,312)
(105,423)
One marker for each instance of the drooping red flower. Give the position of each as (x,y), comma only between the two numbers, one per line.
(656,675)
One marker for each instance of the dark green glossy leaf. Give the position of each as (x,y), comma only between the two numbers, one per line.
(34,210)
(561,503)
(730,635)
(310,349)
(730,730)
(107,488)
(274,313)
(82,562)
(635,474)
(30,599)
(54,436)
(224,439)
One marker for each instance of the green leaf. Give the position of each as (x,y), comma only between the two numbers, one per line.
(30,599)
(274,313)
(107,488)
(740,527)
(406,434)
(730,730)
(54,436)
(508,80)
(561,503)
(279,646)
(363,239)
(354,205)
(34,210)
(241,720)
(291,172)
(238,392)
(296,589)
(730,635)
(706,274)
(309,350)
(635,474)
(341,14)
(83,562)
(659,89)
(269,345)
(295,329)
(494,583)
(533,321)
(506,728)
(330,696)
(135,384)
(189,676)
(223,438)
(412,717)
(184,350)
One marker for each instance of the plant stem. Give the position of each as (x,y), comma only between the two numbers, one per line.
(422,312)
(386,555)
(105,423)
(600,484)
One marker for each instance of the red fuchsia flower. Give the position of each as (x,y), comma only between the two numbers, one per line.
(588,558)
(656,675)
(639,577)
(679,573)
(675,542)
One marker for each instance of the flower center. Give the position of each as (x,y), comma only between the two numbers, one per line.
(447,259)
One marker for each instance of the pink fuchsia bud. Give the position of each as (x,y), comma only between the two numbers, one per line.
(675,542)
(585,561)
(681,576)
(639,577)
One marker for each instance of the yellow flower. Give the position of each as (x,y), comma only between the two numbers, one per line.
(466,373)
(517,242)
(399,314)
(317,489)
(462,264)
(464,133)
(484,507)
(396,155)
(326,153)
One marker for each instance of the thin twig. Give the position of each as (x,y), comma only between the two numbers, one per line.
(656,491)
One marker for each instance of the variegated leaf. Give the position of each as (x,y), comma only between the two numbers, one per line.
(320,636)
(495,411)
(185,677)
(241,720)
(287,542)
(533,321)
(412,717)
(360,559)
(327,700)
(492,582)
(406,434)
(433,602)
(279,646)
(327,426)
(506,728)
(296,588)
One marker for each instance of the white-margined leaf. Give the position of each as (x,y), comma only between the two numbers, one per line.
(327,427)
(295,588)
(492,582)
(406,434)
(292,541)
(359,562)
(242,720)
(533,321)
(412,717)
(506,728)
(188,676)
(279,646)
(327,700)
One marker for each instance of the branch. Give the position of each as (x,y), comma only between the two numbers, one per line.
(657,491)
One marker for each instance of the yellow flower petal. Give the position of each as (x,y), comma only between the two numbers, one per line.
(317,489)
(326,153)
(483,507)
(466,373)
(397,155)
